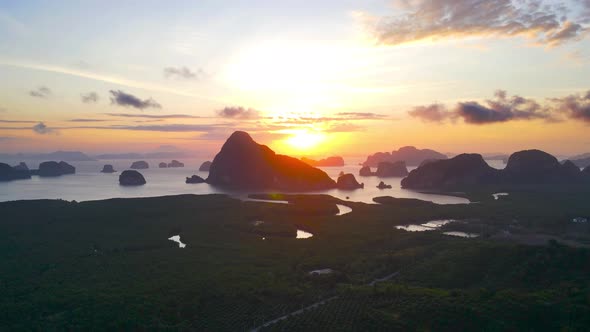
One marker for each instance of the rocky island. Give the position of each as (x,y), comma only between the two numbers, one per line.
(131,178)
(140,165)
(175,163)
(387,169)
(9,173)
(195,179)
(409,154)
(244,164)
(108,169)
(335,161)
(53,168)
(21,167)
(348,182)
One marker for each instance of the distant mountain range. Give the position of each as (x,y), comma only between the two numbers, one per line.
(149,155)
(81,156)
(57,155)
(582,162)
(409,154)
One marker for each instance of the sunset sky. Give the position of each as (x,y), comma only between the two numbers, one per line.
(333,77)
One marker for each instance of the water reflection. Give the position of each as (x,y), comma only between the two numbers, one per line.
(427,226)
(461,234)
(343,209)
(176,238)
(434,225)
(303,234)
(498,195)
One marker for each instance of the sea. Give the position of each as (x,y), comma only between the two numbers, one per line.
(90,184)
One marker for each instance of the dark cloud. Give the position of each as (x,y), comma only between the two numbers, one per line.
(183,72)
(89,98)
(41,128)
(153,116)
(417,20)
(238,113)
(121,98)
(576,106)
(40,92)
(500,109)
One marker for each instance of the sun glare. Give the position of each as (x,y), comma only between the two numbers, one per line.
(305,140)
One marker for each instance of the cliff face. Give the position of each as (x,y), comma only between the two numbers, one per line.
(387,169)
(537,167)
(243,163)
(462,170)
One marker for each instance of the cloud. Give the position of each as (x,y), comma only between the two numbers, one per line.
(575,106)
(183,72)
(343,128)
(418,20)
(167,147)
(40,92)
(341,116)
(2,109)
(500,109)
(238,113)
(152,116)
(87,120)
(89,98)
(110,79)
(121,98)
(17,121)
(176,128)
(430,113)
(361,115)
(41,128)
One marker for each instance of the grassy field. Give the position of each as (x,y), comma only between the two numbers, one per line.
(107,265)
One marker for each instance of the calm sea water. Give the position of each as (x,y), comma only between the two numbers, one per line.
(89,184)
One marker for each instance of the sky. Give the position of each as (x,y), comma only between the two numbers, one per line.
(330,78)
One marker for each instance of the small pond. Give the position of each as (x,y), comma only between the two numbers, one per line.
(343,209)
(303,234)
(176,238)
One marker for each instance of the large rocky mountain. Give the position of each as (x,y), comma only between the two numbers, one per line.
(243,163)
(529,167)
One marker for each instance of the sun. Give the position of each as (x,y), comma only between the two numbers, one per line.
(305,140)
